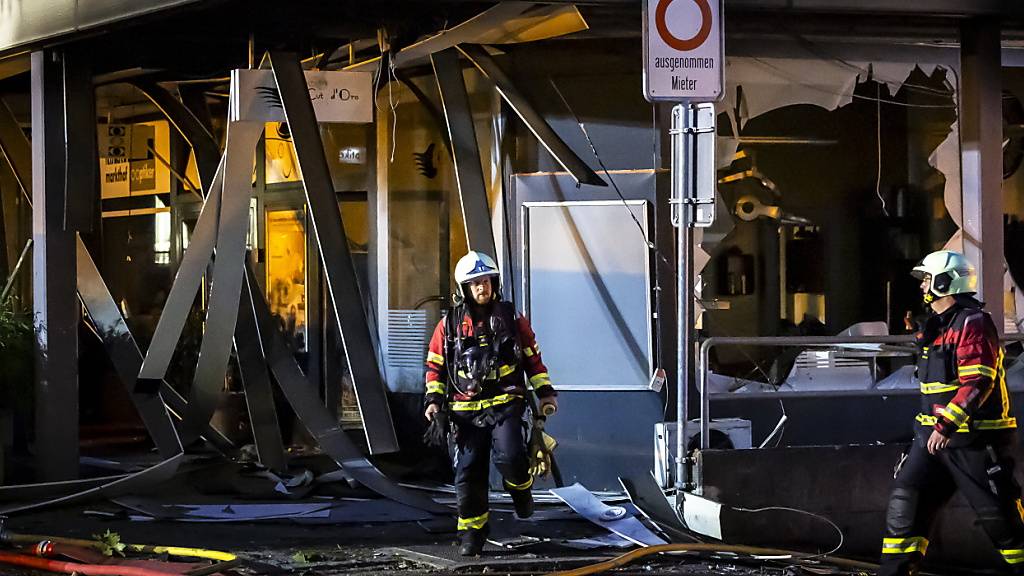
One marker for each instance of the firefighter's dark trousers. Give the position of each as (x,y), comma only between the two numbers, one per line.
(472,463)
(982,472)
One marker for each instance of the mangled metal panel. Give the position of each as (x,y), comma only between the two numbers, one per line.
(533,120)
(215,220)
(149,477)
(124,353)
(259,395)
(504,23)
(645,493)
(615,519)
(99,304)
(317,419)
(256,327)
(207,153)
(183,291)
(81,188)
(465,153)
(222,311)
(339,271)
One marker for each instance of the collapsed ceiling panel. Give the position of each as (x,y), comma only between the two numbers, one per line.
(504,23)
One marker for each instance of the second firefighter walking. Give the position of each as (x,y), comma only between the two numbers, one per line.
(966,431)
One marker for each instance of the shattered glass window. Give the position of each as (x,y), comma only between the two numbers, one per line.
(837,173)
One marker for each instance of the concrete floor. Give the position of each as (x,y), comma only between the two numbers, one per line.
(285,548)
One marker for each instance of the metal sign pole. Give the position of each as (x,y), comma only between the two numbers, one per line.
(693,201)
(669,45)
(680,219)
(684,299)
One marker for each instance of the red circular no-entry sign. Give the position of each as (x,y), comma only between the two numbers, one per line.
(681,44)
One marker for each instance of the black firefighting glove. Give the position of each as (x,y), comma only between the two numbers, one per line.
(437,433)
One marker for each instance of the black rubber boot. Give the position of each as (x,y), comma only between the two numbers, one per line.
(471,542)
(523,502)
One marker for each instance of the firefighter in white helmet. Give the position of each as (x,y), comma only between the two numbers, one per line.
(965,429)
(481,355)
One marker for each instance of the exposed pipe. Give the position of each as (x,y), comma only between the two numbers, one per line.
(748,550)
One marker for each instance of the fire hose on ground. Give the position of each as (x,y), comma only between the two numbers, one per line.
(767,553)
(44,546)
(49,565)
(14,538)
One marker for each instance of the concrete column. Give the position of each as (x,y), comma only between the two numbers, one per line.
(55,302)
(981,136)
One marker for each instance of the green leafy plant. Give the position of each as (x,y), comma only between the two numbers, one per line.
(308,557)
(16,357)
(110,542)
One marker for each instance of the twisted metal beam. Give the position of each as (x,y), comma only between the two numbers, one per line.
(329,231)
(547,137)
(469,176)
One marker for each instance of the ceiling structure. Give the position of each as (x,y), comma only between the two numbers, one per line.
(197,42)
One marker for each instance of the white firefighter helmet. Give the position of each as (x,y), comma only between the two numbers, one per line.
(950,272)
(475,265)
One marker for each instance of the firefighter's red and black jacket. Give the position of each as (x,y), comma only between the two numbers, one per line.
(506,383)
(963,382)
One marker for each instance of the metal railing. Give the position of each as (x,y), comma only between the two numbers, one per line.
(810,341)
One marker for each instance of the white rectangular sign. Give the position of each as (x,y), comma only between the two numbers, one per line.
(336,96)
(684,54)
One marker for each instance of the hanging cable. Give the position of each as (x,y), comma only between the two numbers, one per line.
(839,531)
(878,146)
(380,67)
(583,128)
(643,234)
(658,345)
(779,427)
(392,78)
(650,245)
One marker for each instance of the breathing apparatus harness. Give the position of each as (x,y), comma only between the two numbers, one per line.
(473,359)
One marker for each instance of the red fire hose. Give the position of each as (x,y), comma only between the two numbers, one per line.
(76,568)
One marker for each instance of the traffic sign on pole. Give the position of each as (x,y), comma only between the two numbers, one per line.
(684,53)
